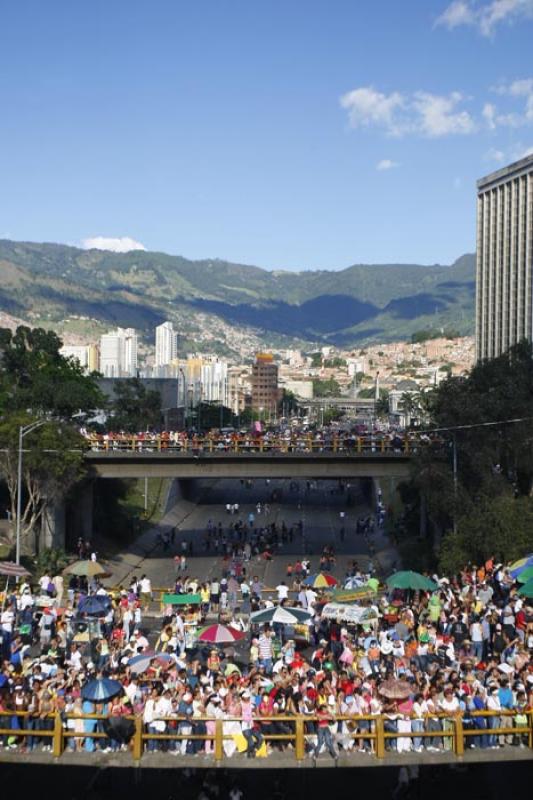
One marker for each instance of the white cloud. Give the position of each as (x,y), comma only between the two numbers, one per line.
(494,155)
(397,114)
(385,164)
(120,244)
(439,117)
(367,107)
(458,13)
(485,16)
(522,89)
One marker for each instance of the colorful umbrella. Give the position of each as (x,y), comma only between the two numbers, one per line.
(101,689)
(282,614)
(519,566)
(527,589)
(12,570)
(139,664)
(321,581)
(220,634)
(526,575)
(395,689)
(86,569)
(411,580)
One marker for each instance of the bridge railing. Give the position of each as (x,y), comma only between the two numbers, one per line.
(304,444)
(375,733)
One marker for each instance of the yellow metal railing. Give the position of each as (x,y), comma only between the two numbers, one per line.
(451,728)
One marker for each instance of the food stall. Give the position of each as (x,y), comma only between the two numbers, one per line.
(190,608)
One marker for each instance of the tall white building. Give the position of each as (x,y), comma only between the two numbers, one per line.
(118,353)
(504,278)
(166,344)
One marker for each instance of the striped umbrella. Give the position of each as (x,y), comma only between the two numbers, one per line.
(220,634)
(101,689)
(86,569)
(282,614)
(139,664)
(321,580)
(526,575)
(519,566)
(12,570)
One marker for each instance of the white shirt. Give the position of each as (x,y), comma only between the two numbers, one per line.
(145,585)
(283,592)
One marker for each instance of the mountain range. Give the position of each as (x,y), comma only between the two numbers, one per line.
(51,283)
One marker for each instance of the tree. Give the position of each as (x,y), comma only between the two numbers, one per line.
(329,388)
(34,376)
(134,407)
(500,526)
(52,462)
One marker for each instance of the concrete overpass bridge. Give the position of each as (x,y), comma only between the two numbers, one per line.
(271,464)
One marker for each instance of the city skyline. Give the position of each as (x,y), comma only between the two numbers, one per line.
(307,136)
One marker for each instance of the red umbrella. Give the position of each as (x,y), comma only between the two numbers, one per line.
(220,634)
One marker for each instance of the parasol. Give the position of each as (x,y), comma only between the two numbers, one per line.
(395,689)
(321,580)
(281,614)
(220,634)
(411,580)
(86,569)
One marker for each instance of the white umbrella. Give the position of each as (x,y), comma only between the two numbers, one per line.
(281,614)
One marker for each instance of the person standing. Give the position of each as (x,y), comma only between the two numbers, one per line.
(324,720)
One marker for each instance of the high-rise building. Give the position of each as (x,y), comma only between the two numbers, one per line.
(265,391)
(504,302)
(118,353)
(166,344)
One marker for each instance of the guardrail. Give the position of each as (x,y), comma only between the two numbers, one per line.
(307,444)
(375,730)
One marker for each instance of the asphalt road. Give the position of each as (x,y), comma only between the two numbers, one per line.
(319,509)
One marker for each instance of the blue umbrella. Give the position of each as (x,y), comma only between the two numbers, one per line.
(101,689)
(94,605)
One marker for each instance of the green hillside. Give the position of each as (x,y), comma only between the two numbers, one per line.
(49,282)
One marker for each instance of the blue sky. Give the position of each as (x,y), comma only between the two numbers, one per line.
(290,134)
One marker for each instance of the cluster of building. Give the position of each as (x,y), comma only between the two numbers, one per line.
(504,316)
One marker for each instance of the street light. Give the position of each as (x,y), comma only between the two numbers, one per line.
(23,430)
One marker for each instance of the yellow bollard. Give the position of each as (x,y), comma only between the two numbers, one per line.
(57,742)
(219,741)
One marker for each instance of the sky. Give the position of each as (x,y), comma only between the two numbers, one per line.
(289,134)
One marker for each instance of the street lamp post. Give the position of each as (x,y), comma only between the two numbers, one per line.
(23,430)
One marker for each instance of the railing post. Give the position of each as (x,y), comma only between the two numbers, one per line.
(57,742)
(133,443)
(406,445)
(299,745)
(380,737)
(459,736)
(530,734)
(219,741)
(138,739)
(383,445)
(158,444)
(359,444)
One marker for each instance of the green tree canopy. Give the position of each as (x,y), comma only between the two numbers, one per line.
(34,376)
(134,407)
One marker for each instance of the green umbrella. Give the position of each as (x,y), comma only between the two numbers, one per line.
(527,589)
(526,575)
(411,580)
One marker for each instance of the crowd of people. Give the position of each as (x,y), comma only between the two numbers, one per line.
(325,438)
(463,649)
